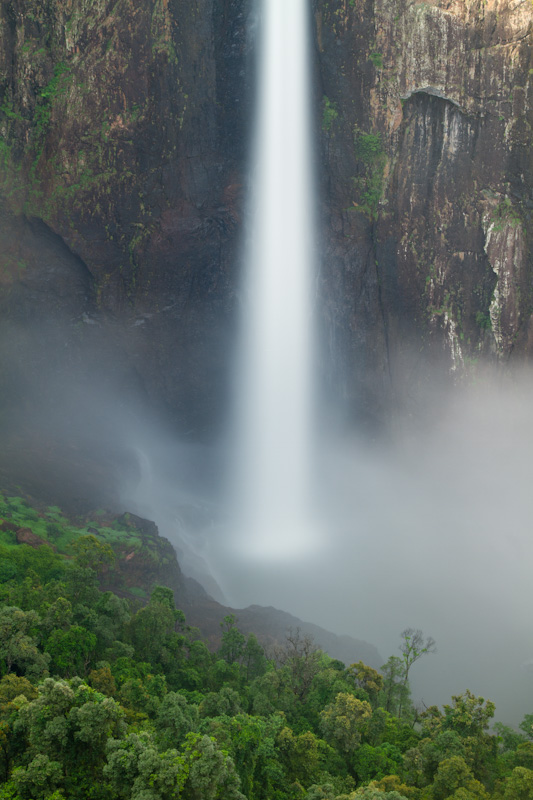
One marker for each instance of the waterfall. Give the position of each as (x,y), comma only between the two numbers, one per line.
(275,411)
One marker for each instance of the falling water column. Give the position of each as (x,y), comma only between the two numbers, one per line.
(275,407)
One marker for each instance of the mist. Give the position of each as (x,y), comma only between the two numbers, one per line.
(426,523)
(428,527)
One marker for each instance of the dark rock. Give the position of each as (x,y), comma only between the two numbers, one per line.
(271,627)
(121,219)
(139,569)
(26,536)
(9,526)
(121,205)
(425,229)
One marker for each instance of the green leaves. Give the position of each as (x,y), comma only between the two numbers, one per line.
(92,554)
(344,720)
(71,650)
(329,114)
(210,772)
(39,779)
(165,718)
(135,769)
(18,644)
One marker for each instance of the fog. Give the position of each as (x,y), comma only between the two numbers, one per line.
(428,524)
(429,527)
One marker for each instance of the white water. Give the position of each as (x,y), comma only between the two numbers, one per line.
(275,412)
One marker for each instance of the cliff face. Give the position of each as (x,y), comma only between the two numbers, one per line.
(122,132)
(123,135)
(428,180)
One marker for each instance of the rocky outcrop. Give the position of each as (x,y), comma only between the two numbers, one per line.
(122,130)
(154,563)
(123,138)
(272,627)
(427,113)
(26,536)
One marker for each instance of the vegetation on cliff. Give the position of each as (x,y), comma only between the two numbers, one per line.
(105,697)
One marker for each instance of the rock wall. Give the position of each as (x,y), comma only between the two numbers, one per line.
(122,134)
(427,115)
(123,138)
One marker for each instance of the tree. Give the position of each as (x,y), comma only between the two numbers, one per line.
(373,792)
(455,780)
(152,625)
(12,686)
(82,584)
(394,695)
(39,779)
(102,680)
(233,641)
(252,743)
(200,771)
(92,554)
(519,785)
(58,615)
(458,732)
(300,755)
(18,643)
(211,773)
(376,762)
(144,695)
(136,769)
(324,791)
(413,647)
(225,702)
(343,721)
(392,783)
(14,692)
(175,718)
(70,724)
(527,725)
(509,739)
(302,660)
(272,692)
(366,678)
(523,756)
(253,659)
(468,715)
(109,620)
(71,650)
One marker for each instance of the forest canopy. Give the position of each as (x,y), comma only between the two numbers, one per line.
(105,696)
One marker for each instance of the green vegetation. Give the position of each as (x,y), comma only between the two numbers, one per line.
(484,321)
(8,111)
(377,60)
(369,185)
(505,213)
(104,535)
(368,146)
(329,114)
(162,42)
(444,308)
(56,87)
(104,699)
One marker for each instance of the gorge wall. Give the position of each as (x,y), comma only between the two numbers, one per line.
(123,143)
(428,185)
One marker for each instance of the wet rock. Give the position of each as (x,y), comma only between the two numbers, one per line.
(429,149)
(123,135)
(124,139)
(26,536)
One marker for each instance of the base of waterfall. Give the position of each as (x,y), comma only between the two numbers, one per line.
(278,539)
